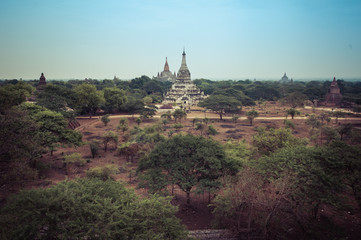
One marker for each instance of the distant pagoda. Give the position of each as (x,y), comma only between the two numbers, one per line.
(285,79)
(166,75)
(333,97)
(184,91)
(42,83)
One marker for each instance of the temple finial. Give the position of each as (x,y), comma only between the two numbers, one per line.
(166,66)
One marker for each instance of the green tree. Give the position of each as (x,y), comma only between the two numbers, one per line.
(94,147)
(270,141)
(237,94)
(104,173)
(346,164)
(316,129)
(129,149)
(289,124)
(313,121)
(20,146)
(133,106)
(178,114)
(235,119)
(177,126)
(138,121)
(187,161)
(292,112)
(167,115)
(147,100)
(109,137)
(211,130)
(14,94)
(295,99)
(88,209)
(123,125)
(337,115)
(221,104)
(324,117)
(251,115)
(148,112)
(263,92)
(53,128)
(195,120)
(57,98)
(345,130)
(73,159)
(114,99)
(315,179)
(89,99)
(200,127)
(238,151)
(105,119)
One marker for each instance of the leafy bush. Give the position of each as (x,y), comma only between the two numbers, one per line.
(177,126)
(289,124)
(94,147)
(211,130)
(74,158)
(105,119)
(88,209)
(104,172)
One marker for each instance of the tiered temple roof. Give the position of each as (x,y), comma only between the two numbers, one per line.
(166,75)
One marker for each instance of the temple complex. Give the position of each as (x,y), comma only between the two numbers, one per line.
(166,75)
(184,91)
(333,96)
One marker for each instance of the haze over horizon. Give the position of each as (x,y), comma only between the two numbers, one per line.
(225,39)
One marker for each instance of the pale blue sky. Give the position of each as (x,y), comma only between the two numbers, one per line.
(223,39)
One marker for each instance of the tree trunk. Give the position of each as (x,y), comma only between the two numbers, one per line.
(249,222)
(188,196)
(315,210)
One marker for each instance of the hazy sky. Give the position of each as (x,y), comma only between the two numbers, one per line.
(223,39)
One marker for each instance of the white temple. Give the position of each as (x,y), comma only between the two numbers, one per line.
(184,91)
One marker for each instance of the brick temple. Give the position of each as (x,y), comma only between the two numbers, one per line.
(333,97)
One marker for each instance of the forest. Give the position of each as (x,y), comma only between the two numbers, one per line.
(105,159)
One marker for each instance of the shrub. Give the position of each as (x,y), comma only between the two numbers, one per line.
(105,119)
(73,159)
(103,172)
(177,126)
(212,130)
(94,147)
(289,124)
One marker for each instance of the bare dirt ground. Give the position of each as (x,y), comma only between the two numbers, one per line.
(198,215)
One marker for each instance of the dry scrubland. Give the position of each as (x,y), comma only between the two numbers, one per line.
(197,216)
